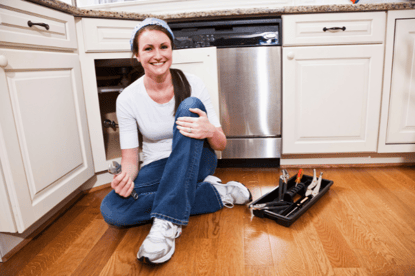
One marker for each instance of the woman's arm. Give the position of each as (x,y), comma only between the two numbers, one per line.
(218,140)
(123,184)
(201,128)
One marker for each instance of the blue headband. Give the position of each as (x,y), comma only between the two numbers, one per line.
(146,22)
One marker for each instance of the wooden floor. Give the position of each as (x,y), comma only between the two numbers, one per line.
(364,225)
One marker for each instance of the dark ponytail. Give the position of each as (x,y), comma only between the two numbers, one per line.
(181,86)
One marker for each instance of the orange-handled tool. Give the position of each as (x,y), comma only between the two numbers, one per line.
(299,176)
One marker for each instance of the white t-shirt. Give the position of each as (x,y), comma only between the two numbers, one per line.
(155,121)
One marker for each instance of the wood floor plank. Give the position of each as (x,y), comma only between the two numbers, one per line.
(25,256)
(57,247)
(351,272)
(124,259)
(79,249)
(389,199)
(99,255)
(205,257)
(230,248)
(257,249)
(285,252)
(336,247)
(259,270)
(312,250)
(394,245)
(354,224)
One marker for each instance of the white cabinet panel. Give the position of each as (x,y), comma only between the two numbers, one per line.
(45,139)
(103,35)
(44,128)
(15,29)
(331,98)
(397,127)
(401,119)
(6,215)
(334,29)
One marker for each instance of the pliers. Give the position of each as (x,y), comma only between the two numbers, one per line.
(314,188)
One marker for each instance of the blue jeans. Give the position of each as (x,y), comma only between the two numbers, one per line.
(172,188)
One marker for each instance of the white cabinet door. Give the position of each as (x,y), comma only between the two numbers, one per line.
(331,98)
(201,62)
(401,117)
(44,129)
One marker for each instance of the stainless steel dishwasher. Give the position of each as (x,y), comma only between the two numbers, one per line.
(249,66)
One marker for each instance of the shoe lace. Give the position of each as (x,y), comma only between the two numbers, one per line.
(159,228)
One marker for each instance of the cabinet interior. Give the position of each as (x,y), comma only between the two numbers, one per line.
(112,76)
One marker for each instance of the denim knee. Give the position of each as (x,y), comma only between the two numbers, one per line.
(190,102)
(106,211)
(109,212)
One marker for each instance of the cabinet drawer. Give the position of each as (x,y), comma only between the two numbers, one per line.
(15,29)
(334,29)
(105,35)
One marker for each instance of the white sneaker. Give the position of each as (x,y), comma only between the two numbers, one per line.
(159,245)
(231,193)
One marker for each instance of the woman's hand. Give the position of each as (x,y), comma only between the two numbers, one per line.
(193,127)
(122,184)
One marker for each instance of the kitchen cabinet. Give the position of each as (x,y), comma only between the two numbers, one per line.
(332,72)
(105,39)
(45,153)
(397,131)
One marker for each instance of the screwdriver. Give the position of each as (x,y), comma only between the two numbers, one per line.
(299,176)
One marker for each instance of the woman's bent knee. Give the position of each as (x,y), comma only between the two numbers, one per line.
(190,102)
(109,211)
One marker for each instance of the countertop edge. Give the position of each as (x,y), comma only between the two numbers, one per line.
(80,12)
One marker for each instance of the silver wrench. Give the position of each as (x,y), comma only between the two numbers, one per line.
(115,168)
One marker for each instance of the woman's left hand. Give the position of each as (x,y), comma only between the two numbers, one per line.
(193,127)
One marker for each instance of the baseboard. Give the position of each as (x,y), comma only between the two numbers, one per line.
(95,189)
(327,166)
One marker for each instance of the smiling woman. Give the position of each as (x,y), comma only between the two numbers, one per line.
(180,132)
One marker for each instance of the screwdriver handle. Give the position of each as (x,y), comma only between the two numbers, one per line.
(299,176)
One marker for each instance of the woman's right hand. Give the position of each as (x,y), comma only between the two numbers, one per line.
(122,184)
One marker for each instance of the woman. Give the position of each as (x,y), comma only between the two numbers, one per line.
(180,133)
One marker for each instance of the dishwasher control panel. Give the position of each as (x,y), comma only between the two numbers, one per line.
(228,33)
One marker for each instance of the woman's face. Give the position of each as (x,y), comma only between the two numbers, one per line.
(155,53)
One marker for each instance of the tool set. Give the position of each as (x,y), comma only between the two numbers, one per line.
(293,196)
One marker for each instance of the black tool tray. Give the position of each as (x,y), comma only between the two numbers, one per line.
(281,217)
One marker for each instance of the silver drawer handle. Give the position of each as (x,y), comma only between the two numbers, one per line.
(30,24)
(334,28)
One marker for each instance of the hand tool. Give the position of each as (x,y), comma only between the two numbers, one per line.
(287,177)
(280,187)
(299,205)
(299,176)
(312,190)
(115,168)
(270,205)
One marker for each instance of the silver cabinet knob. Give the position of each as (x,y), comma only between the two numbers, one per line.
(290,55)
(3,61)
